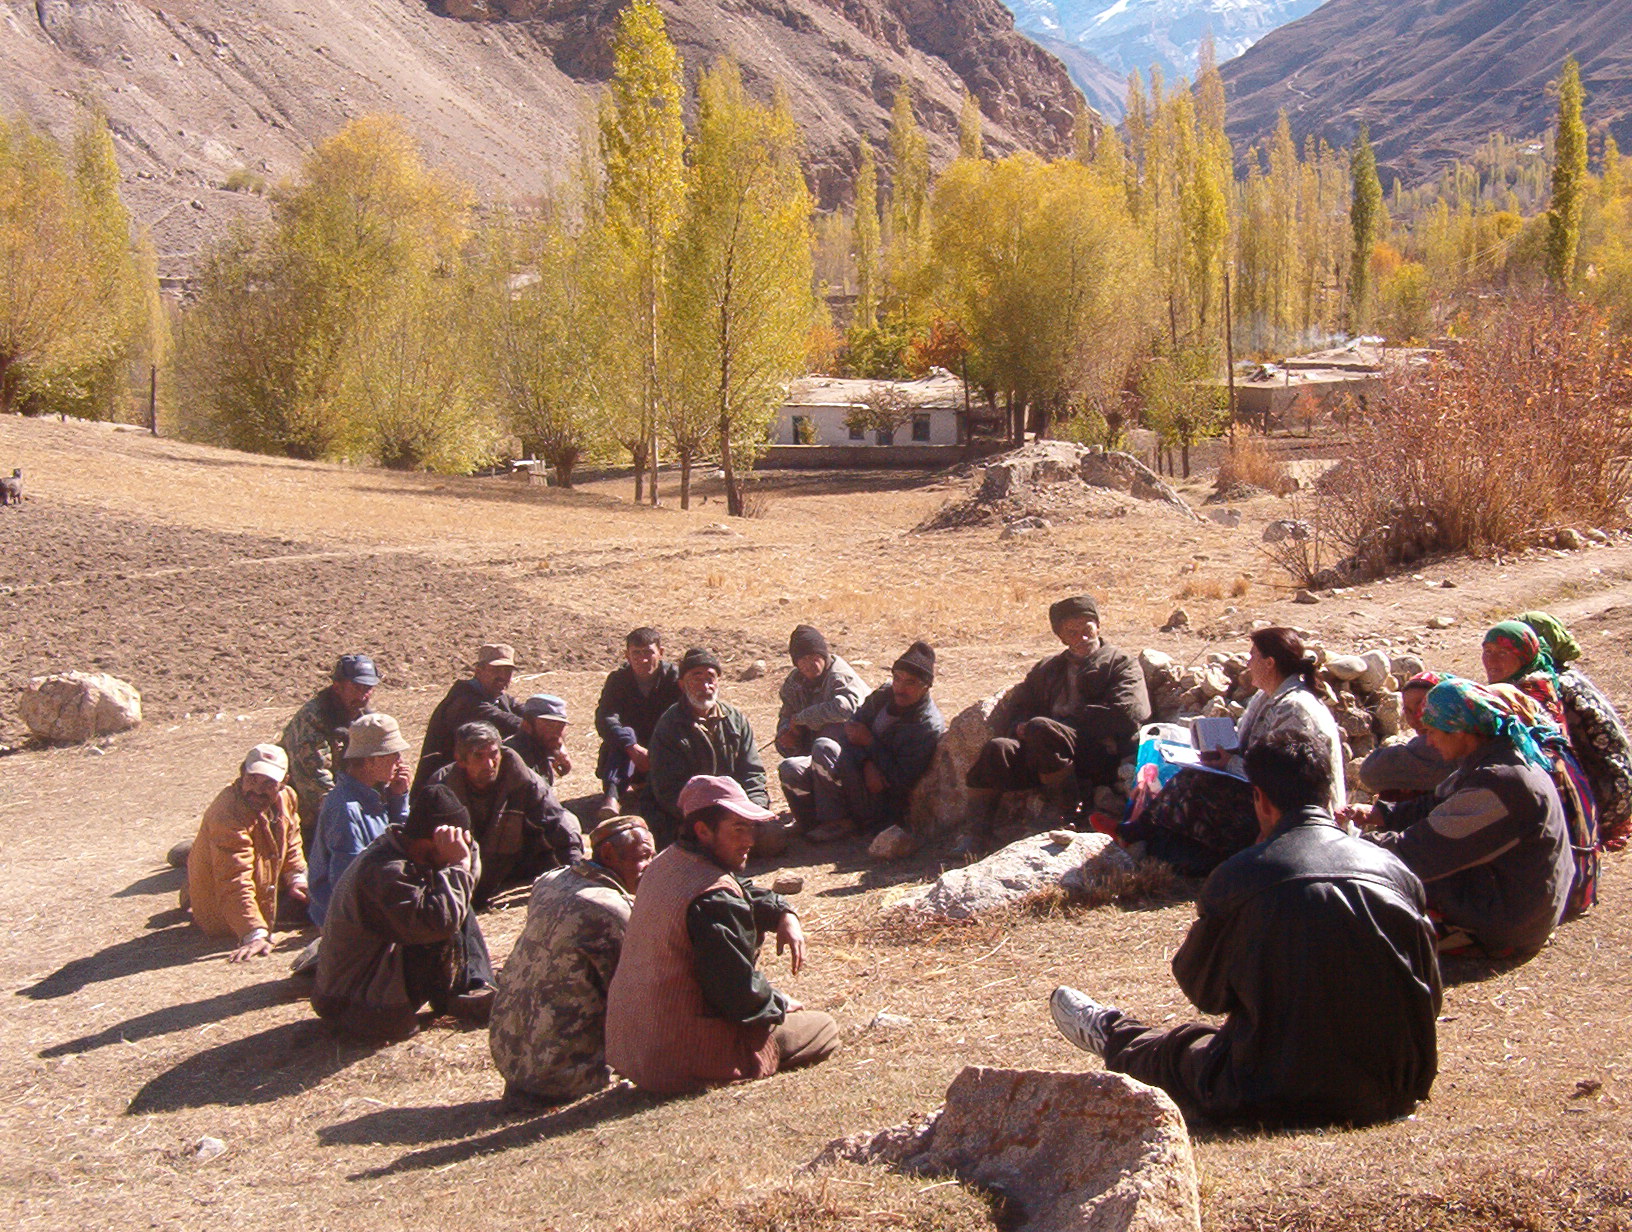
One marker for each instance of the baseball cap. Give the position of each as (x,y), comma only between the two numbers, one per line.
(545,706)
(267,759)
(706,790)
(357,668)
(495,654)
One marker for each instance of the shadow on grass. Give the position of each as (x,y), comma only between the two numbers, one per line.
(851,857)
(174,1018)
(153,951)
(269,1065)
(1477,968)
(166,881)
(407,1125)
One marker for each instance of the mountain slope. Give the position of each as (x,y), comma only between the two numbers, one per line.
(1132,35)
(1432,78)
(497,91)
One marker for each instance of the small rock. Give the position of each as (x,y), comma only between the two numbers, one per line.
(1390,714)
(787,883)
(884,1021)
(1570,539)
(1597,536)
(1026,526)
(892,843)
(1303,596)
(208,1148)
(1214,681)
(1441,622)
(1282,529)
(1447,584)
(1177,619)
(1405,666)
(176,857)
(754,670)
(1230,518)
(1377,667)
(784,600)
(78,706)
(1010,874)
(1347,667)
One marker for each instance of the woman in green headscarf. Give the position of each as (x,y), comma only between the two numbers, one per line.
(1596,734)
(1514,654)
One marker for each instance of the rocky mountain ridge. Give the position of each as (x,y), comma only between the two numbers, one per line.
(199,93)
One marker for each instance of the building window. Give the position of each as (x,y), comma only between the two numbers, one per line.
(920,427)
(856,434)
(885,436)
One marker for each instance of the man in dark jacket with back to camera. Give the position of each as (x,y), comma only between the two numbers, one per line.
(1075,717)
(633,699)
(1318,948)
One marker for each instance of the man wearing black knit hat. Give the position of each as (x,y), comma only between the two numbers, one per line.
(400,930)
(884,750)
(1073,719)
(819,696)
(699,734)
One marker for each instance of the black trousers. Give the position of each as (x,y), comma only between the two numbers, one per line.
(434,974)
(1044,746)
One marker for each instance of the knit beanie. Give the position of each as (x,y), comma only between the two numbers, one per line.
(434,805)
(919,660)
(806,641)
(698,657)
(1076,605)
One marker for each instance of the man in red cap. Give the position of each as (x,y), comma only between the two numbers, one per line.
(688,1008)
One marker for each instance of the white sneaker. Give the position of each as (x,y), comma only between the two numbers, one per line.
(1081,1019)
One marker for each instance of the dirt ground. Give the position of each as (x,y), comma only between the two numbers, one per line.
(224,585)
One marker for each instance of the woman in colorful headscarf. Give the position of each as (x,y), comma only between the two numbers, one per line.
(1399,771)
(1514,655)
(1596,734)
(1490,844)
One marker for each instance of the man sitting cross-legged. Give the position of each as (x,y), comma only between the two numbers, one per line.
(819,696)
(370,793)
(689,1008)
(548,1032)
(884,750)
(1318,948)
(401,930)
(633,699)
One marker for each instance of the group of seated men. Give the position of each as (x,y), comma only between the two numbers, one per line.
(639,953)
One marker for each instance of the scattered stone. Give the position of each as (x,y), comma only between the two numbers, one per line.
(1177,619)
(1447,584)
(1214,682)
(1303,596)
(717,528)
(1282,529)
(1026,526)
(1230,518)
(176,857)
(787,883)
(883,1021)
(753,671)
(74,707)
(1597,536)
(892,843)
(208,1148)
(1405,666)
(1011,873)
(1089,1151)
(940,800)
(1345,667)
(1376,673)
(1570,539)
(1441,622)
(1390,714)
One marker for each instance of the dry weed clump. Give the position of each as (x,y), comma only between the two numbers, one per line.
(1248,462)
(845,1198)
(1525,428)
(1149,883)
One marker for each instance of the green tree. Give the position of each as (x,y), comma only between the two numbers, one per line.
(1569,180)
(1184,402)
(1365,225)
(643,147)
(867,241)
(742,307)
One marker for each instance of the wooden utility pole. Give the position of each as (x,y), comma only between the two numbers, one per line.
(1229,343)
(153,399)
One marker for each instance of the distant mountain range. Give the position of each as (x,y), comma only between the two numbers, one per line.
(1433,78)
(1124,36)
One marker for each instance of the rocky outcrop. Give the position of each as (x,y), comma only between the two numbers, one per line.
(1088,1152)
(73,707)
(497,91)
(1060,858)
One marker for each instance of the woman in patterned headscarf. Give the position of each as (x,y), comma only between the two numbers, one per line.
(1490,844)
(1514,654)
(1595,731)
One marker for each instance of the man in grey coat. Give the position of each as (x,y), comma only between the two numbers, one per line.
(820,695)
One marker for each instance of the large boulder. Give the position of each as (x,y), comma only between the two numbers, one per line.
(940,800)
(1125,473)
(1058,858)
(1082,1152)
(73,707)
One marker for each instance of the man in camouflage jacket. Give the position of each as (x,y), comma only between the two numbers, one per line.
(548,1031)
(315,738)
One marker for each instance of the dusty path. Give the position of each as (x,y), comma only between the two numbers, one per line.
(126,1038)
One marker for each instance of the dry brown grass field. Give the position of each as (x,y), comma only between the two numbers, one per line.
(223,586)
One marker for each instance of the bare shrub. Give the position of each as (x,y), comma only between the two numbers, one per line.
(1249,461)
(755,503)
(1527,427)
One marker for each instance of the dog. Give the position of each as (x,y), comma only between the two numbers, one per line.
(11,490)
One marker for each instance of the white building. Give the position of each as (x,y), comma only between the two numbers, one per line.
(818,406)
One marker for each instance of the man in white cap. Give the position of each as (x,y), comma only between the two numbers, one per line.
(688,1007)
(370,794)
(542,741)
(248,852)
(479,698)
